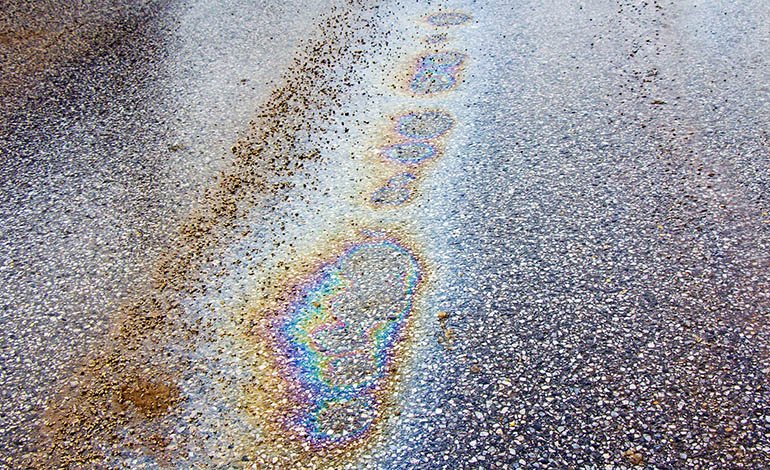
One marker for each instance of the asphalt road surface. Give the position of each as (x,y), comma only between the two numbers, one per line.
(362,234)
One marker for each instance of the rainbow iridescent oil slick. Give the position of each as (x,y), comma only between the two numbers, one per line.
(337,338)
(332,344)
(437,72)
(410,153)
(416,135)
(397,191)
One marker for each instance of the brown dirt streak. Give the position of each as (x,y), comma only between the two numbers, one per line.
(127,382)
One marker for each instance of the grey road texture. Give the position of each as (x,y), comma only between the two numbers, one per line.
(385,234)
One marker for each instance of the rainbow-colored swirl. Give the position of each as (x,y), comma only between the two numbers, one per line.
(339,334)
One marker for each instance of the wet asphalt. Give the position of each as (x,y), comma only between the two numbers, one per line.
(115,119)
(597,226)
(609,244)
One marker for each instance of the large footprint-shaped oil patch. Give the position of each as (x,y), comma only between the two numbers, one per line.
(339,336)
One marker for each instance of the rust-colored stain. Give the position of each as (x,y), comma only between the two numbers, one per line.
(151,399)
(126,384)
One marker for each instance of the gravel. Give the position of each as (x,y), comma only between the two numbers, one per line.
(387,234)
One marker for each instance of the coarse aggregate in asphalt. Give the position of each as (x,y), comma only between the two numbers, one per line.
(361,234)
(113,123)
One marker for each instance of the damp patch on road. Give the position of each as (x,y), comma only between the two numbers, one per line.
(453,18)
(424,125)
(437,72)
(397,191)
(410,153)
(329,342)
(339,333)
(437,38)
